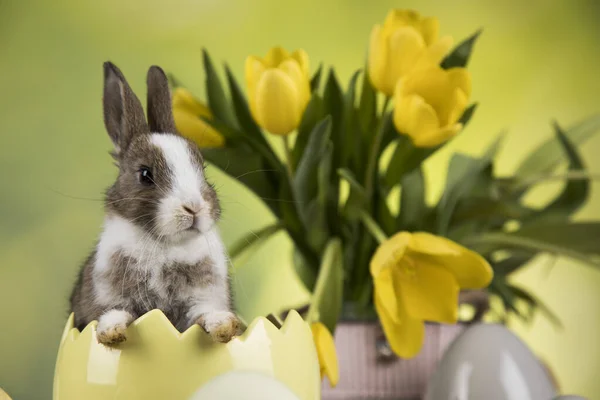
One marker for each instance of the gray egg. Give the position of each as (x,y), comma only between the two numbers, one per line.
(489,362)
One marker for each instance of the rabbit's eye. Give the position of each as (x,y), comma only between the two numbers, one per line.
(146,176)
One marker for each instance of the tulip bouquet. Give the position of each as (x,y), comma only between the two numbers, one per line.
(341,169)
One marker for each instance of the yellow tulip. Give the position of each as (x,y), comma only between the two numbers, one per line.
(187,111)
(417,278)
(326,353)
(406,41)
(278,89)
(429,102)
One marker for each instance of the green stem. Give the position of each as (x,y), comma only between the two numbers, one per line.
(373,228)
(288,157)
(372,161)
(495,239)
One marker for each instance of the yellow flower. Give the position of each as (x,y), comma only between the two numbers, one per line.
(326,353)
(187,112)
(417,278)
(278,89)
(429,102)
(405,41)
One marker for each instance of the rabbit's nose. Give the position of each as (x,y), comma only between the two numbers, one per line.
(190,209)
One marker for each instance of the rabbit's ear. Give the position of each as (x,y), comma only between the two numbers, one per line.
(123,112)
(160,112)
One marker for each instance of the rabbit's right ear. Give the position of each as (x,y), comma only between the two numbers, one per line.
(123,112)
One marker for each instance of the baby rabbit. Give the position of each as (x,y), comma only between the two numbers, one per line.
(159,246)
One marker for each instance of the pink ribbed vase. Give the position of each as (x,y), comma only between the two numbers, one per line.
(364,374)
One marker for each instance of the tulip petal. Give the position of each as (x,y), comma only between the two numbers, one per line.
(435,138)
(326,353)
(416,119)
(253,70)
(428,292)
(430,28)
(398,18)
(384,288)
(459,104)
(377,58)
(275,56)
(292,69)
(470,269)
(405,337)
(303,61)
(435,53)
(192,127)
(460,78)
(389,252)
(277,102)
(183,99)
(405,47)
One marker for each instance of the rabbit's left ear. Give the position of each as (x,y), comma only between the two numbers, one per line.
(160,112)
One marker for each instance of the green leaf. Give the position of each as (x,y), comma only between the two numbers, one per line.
(326,302)
(306,272)
(356,199)
(575,192)
(551,152)
(333,101)
(367,109)
(252,241)
(412,201)
(468,114)
(484,207)
(351,142)
(248,168)
(312,115)
(215,94)
(316,79)
(251,132)
(373,227)
(349,177)
(535,303)
(383,213)
(512,263)
(289,211)
(463,172)
(390,133)
(319,216)
(500,288)
(578,236)
(405,158)
(305,182)
(242,111)
(577,240)
(459,57)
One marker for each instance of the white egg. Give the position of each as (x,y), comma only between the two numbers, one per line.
(489,362)
(244,386)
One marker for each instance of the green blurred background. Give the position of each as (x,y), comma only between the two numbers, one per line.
(536,61)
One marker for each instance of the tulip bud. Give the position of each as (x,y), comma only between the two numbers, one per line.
(429,102)
(406,41)
(278,89)
(187,112)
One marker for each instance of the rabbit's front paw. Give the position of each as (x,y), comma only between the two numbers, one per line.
(111,327)
(222,326)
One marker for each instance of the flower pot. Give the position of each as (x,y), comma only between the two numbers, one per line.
(158,362)
(366,374)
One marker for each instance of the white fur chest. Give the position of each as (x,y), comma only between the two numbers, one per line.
(122,237)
